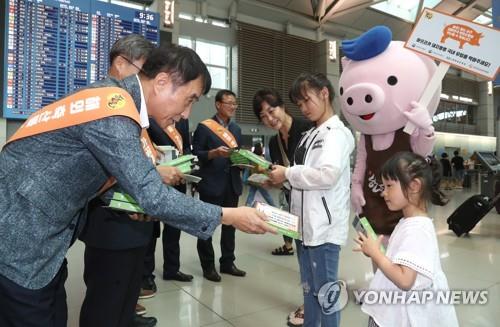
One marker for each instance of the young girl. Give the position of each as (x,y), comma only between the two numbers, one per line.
(320,192)
(411,263)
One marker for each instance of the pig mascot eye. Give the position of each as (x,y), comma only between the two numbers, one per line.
(392,80)
(341,90)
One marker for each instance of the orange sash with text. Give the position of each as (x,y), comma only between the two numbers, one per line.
(83,107)
(223,133)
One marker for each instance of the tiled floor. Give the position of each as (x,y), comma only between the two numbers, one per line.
(271,288)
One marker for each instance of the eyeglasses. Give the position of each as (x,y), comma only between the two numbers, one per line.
(132,63)
(232,104)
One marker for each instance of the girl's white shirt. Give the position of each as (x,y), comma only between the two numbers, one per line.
(413,244)
(320,193)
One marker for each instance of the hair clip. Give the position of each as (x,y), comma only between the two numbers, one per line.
(428,159)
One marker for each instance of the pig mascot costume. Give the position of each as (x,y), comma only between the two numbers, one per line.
(380,87)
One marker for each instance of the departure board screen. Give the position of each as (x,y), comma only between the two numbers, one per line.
(53,47)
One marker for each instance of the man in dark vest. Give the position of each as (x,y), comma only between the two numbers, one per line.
(177,136)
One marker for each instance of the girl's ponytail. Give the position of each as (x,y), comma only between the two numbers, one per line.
(406,166)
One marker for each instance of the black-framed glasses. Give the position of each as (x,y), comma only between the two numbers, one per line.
(232,104)
(132,63)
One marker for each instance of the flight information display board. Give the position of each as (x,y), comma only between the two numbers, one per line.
(53,47)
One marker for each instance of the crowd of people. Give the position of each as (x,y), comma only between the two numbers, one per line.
(59,175)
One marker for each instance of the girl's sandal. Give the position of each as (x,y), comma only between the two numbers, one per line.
(283,250)
(296,319)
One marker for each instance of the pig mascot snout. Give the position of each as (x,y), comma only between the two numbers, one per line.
(379,88)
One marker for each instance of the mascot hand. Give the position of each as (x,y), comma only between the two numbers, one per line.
(420,117)
(357,198)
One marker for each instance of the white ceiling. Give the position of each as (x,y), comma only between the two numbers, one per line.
(468,9)
(344,18)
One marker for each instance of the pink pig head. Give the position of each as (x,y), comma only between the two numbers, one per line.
(374,91)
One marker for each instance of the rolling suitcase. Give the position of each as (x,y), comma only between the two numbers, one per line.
(469,213)
(497,191)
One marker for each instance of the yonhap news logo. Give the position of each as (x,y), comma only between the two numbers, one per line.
(333,297)
(447,297)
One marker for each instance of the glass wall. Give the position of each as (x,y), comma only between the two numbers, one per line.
(215,56)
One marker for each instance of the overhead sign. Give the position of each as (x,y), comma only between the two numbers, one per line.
(461,43)
(168,13)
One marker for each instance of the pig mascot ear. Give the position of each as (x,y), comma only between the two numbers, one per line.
(368,44)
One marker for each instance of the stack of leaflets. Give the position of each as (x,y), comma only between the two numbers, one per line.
(362,225)
(124,202)
(247,159)
(186,164)
(286,223)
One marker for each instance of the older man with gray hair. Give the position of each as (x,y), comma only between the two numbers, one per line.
(115,246)
(65,153)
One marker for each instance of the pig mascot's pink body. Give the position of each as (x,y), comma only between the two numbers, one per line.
(380,87)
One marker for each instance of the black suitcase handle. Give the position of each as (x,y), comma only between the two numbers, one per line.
(494,201)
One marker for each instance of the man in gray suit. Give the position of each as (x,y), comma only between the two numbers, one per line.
(47,178)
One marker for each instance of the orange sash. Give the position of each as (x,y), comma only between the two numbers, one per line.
(78,108)
(175,136)
(83,107)
(223,133)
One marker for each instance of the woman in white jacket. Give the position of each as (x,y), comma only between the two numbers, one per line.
(320,193)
